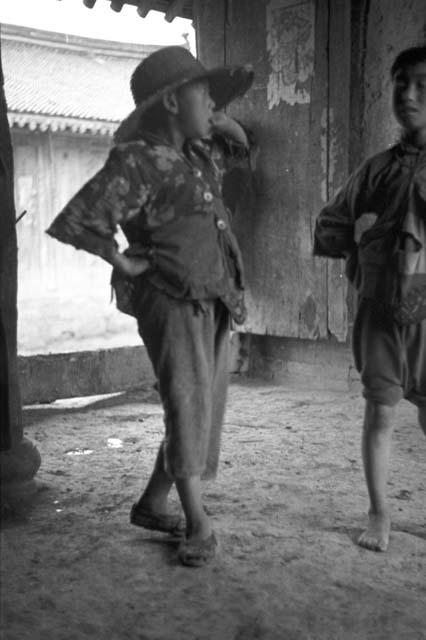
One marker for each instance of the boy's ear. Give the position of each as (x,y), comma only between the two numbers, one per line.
(170,102)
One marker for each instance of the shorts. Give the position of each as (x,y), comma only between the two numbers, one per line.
(188,345)
(390,358)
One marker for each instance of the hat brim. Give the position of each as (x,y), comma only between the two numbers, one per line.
(229,83)
(226,84)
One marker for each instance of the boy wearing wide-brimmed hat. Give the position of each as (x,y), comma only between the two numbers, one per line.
(181,276)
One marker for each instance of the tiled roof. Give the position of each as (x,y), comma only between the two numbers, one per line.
(57,81)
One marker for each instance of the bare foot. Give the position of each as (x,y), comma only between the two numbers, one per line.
(376,536)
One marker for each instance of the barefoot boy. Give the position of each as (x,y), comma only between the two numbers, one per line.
(378,223)
(181,276)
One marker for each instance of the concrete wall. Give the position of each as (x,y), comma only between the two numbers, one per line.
(316,364)
(45,378)
(311,364)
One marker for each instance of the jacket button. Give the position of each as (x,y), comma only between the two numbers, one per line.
(221,224)
(208,197)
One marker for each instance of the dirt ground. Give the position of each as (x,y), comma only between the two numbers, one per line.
(288,504)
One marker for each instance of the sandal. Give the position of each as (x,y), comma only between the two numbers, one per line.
(164,522)
(197,553)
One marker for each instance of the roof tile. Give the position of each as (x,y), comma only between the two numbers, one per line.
(52,79)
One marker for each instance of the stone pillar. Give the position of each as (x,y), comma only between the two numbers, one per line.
(19,458)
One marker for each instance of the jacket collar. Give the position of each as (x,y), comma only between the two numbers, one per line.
(409,155)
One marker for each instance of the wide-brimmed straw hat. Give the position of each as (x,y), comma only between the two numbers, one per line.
(172,67)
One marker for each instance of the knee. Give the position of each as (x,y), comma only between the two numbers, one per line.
(378,417)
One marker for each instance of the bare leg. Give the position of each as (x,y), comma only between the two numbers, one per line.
(422,419)
(376,447)
(198,525)
(155,496)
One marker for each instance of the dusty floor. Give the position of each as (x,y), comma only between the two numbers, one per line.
(288,504)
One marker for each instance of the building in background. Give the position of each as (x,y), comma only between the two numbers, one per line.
(66,96)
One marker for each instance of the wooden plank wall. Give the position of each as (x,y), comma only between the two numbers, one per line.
(337,136)
(49,169)
(302,133)
(387,33)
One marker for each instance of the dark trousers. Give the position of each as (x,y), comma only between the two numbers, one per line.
(188,346)
(390,358)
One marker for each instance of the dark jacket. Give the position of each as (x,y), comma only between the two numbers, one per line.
(391,184)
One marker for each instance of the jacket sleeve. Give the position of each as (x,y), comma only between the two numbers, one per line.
(230,152)
(114,195)
(335,225)
(237,162)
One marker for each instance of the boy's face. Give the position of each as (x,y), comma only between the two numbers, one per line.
(195,110)
(409,97)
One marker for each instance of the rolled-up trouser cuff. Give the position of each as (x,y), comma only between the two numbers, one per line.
(388,397)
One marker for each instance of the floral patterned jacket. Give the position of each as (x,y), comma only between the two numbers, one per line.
(169,205)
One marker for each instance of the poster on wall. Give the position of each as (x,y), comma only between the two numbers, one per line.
(290,44)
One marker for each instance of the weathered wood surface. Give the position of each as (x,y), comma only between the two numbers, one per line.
(339,297)
(387,33)
(49,169)
(295,111)
(11,418)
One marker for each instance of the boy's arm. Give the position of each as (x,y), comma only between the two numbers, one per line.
(227,127)
(234,150)
(233,141)
(89,220)
(334,234)
(334,229)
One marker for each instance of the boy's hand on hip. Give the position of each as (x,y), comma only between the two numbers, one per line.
(130,266)
(363,224)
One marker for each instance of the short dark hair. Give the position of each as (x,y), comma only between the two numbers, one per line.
(408,58)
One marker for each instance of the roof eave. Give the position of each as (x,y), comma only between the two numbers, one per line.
(42,122)
(171,8)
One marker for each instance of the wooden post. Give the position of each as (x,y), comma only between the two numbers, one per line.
(19,458)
